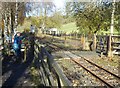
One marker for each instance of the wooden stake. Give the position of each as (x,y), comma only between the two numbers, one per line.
(94,42)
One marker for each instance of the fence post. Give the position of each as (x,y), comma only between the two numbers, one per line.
(3,37)
(94,42)
(42,54)
(65,39)
(58,80)
(49,64)
(83,41)
(109,51)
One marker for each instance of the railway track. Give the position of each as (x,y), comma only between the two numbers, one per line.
(77,75)
(108,78)
(117,76)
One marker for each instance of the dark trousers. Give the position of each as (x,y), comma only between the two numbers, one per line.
(18,53)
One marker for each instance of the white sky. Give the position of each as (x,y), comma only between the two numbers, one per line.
(59,3)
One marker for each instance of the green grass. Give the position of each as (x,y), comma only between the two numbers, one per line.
(69,27)
(108,32)
(72,27)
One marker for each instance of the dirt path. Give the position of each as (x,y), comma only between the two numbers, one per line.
(16,73)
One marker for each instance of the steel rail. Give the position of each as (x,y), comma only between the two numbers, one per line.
(118,77)
(109,85)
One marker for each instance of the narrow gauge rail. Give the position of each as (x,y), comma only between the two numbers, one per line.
(78,77)
(105,76)
(70,76)
(118,77)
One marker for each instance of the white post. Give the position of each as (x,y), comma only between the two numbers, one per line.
(111,29)
(112,18)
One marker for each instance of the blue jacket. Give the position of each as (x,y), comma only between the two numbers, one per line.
(17,42)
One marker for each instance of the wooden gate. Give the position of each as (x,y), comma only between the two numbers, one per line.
(111,44)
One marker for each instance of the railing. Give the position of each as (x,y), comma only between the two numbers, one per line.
(104,42)
(51,72)
(115,43)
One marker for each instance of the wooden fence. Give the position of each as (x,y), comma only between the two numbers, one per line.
(110,44)
(52,73)
(115,43)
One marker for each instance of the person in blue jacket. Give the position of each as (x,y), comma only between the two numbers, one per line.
(17,44)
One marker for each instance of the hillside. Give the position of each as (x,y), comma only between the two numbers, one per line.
(69,27)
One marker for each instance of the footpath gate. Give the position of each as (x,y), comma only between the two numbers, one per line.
(52,74)
(111,44)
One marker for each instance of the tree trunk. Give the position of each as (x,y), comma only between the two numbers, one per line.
(16,16)
(5,22)
(109,52)
(112,18)
(10,23)
(12,31)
